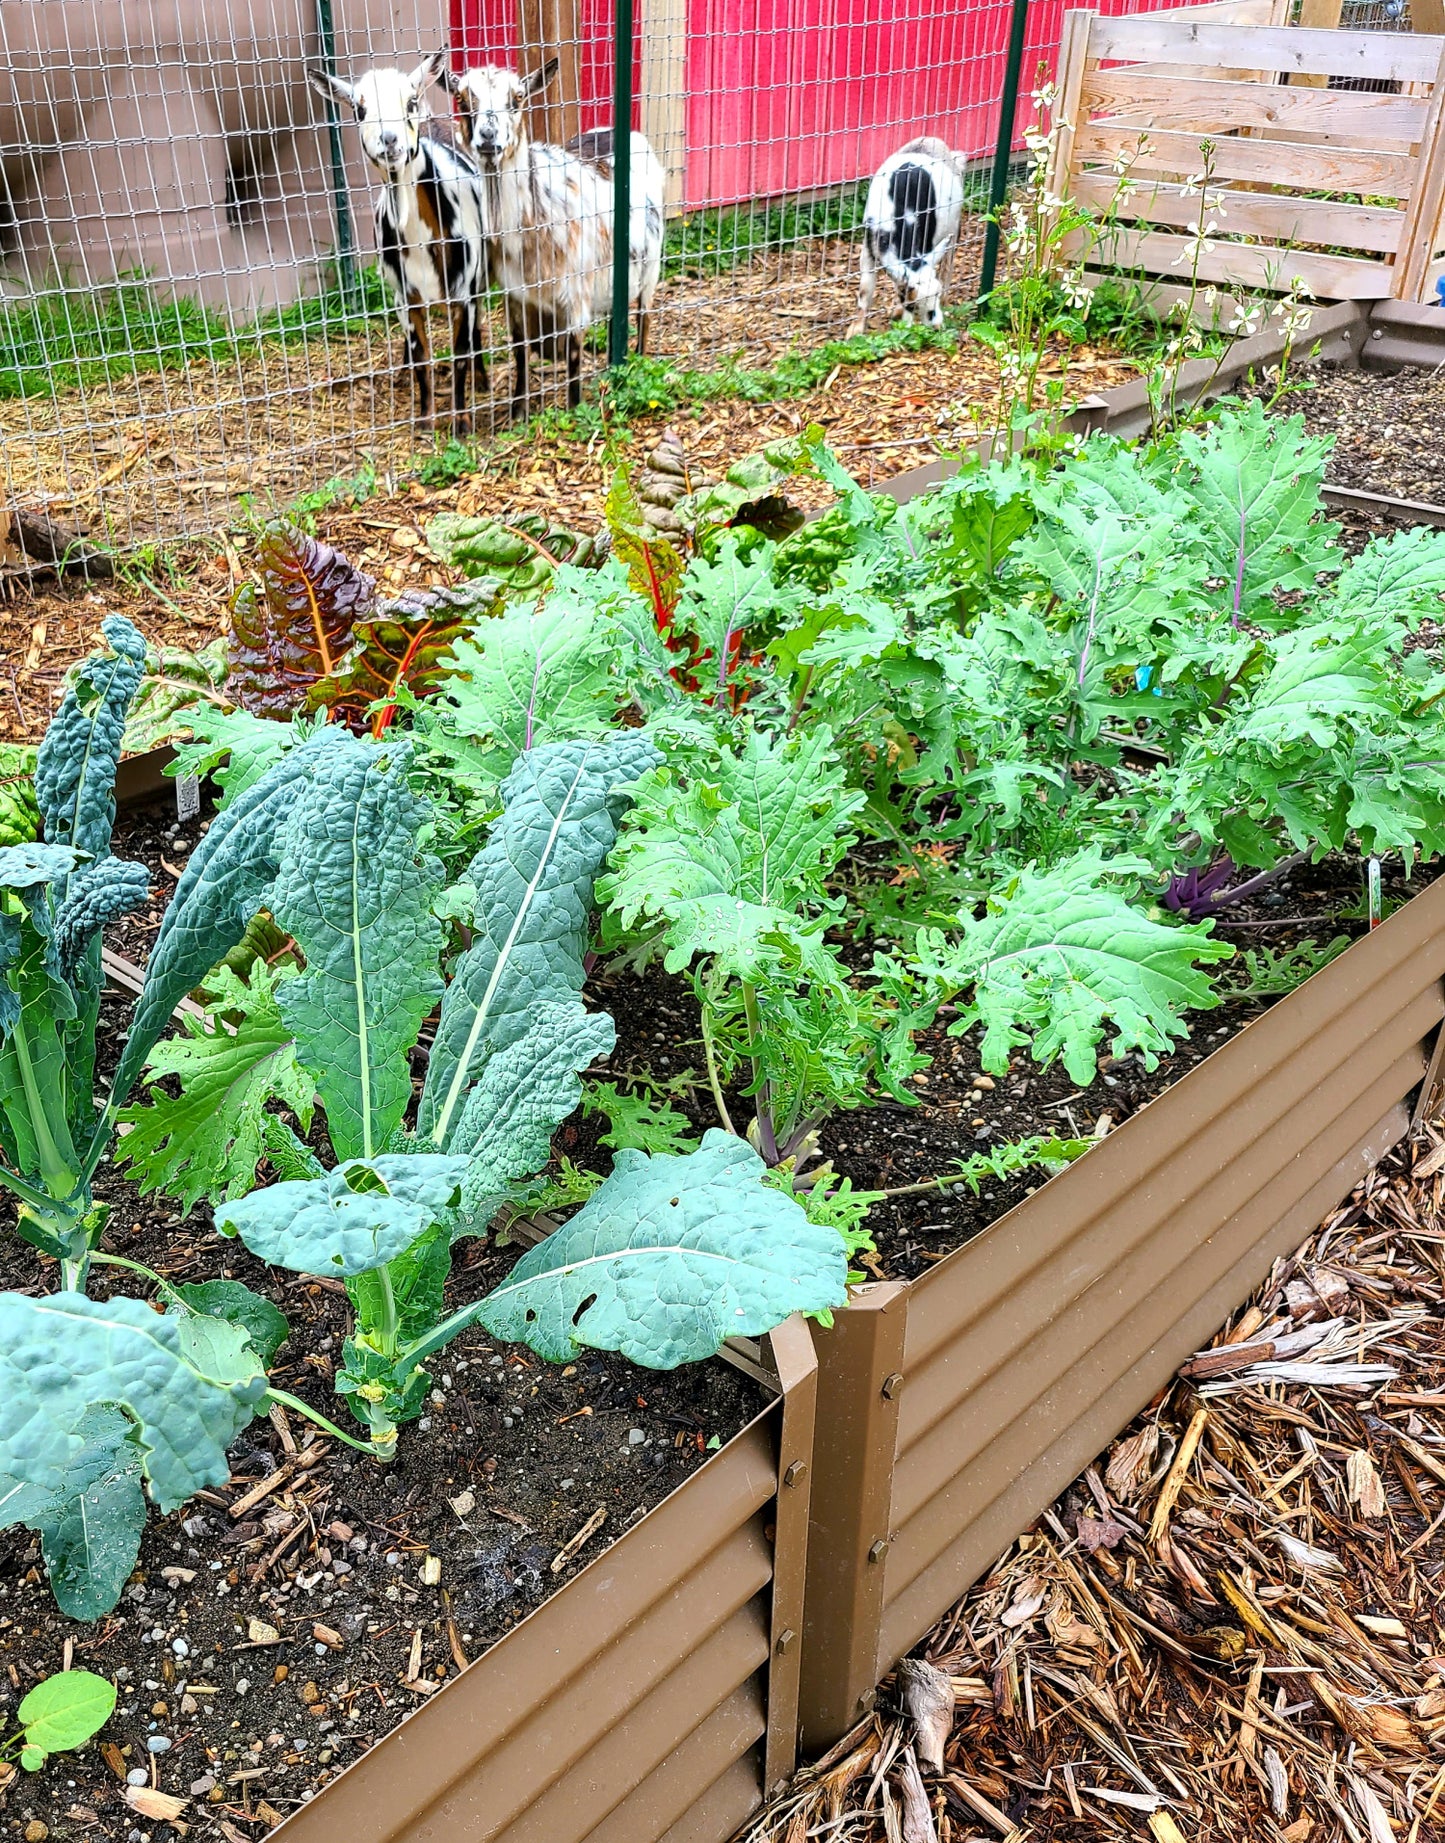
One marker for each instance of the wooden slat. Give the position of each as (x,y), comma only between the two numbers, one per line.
(664,89)
(547,29)
(1250,214)
(1324,14)
(1427,16)
(1262,162)
(1073,59)
(1421,231)
(1391,123)
(1251,265)
(1224,12)
(1403,56)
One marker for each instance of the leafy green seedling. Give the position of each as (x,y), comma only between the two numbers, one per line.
(60,1714)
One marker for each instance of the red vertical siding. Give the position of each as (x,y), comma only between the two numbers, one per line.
(785,95)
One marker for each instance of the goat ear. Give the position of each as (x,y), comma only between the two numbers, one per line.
(431,70)
(540,78)
(327,83)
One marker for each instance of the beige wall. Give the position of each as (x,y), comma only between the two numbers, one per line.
(122,121)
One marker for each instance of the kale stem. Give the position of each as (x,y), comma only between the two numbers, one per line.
(318,1419)
(712,1075)
(936,1183)
(805,684)
(390,1320)
(440,1335)
(39,1200)
(148,1273)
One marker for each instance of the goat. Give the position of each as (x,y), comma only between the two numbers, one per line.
(430,234)
(549,210)
(910,228)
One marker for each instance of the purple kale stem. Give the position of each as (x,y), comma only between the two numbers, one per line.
(1192,889)
(767,1139)
(797,1137)
(722,667)
(1198,894)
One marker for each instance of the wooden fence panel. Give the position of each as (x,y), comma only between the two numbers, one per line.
(1300,175)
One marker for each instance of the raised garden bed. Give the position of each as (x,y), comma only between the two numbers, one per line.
(956,1406)
(952,1405)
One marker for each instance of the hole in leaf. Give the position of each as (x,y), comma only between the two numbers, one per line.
(585,1306)
(674,1201)
(531,1316)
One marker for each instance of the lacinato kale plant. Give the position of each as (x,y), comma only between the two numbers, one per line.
(56,897)
(671,1255)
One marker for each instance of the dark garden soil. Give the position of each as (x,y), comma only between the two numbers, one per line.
(1386,428)
(275,1629)
(961,1110)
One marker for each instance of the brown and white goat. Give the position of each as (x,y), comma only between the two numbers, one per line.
(549,215)
(430,235)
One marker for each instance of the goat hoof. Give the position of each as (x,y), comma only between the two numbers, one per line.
(461,425)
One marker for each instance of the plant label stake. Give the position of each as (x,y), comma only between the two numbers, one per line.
(188,796)
(1373,886)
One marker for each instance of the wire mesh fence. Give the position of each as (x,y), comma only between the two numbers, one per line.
(192,318)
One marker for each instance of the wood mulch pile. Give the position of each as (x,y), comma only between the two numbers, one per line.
(1231,1626)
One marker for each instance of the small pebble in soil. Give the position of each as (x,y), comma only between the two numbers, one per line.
(137,1776)
(161,1743)
(636,1437)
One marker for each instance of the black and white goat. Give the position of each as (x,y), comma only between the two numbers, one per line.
(430,235)
(549,217)
(910,228)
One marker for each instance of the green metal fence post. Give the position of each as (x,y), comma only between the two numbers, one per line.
(1003,153)
(618,335)
(345,232)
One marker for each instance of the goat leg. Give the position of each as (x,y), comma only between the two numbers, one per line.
(418,356)
(519,373)
(644,327)
(574,370)
(462,342)
(868,282)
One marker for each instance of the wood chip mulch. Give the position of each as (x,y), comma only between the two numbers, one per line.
(1231,1626)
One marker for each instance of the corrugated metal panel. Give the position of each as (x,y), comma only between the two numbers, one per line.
(633,1706)
(1025,1351)
(961,1531)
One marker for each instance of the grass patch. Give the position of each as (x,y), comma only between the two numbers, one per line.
(71,339)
